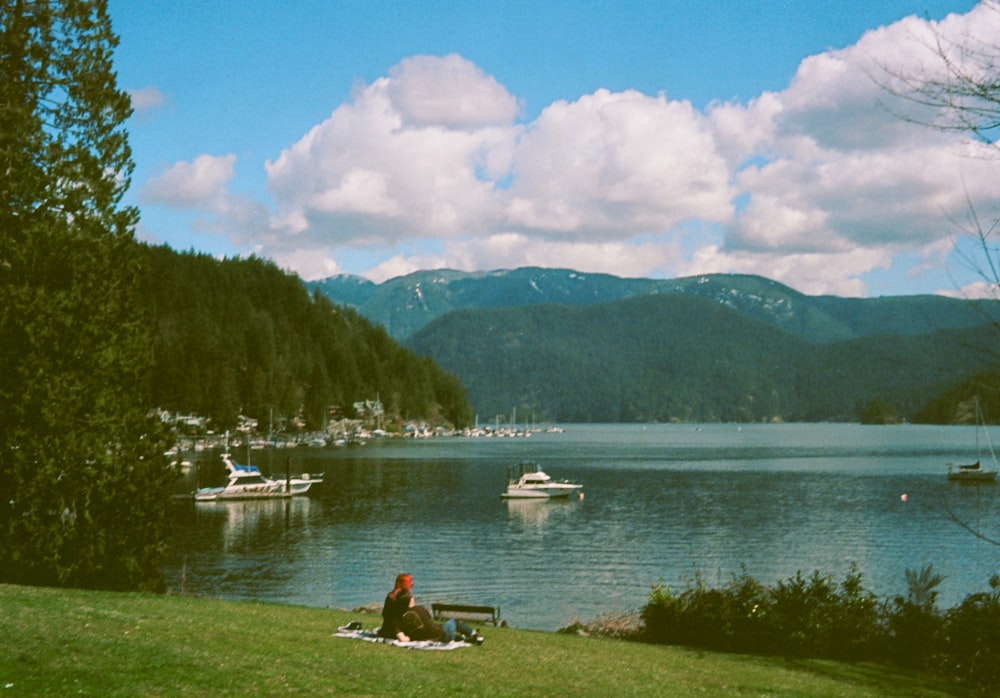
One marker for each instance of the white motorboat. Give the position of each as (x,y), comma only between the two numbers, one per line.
(247,482)
(527,481)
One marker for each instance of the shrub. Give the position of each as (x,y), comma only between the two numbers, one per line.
(814,617)
(659,617)
(972,638)
(914,624)
(798,617)
(914,633)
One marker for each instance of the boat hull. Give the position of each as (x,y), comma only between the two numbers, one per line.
(225,494)
(972,476)
(973,472)
(247,482)
(550,492)
(208,494)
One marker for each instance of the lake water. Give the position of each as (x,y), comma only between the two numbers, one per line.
(662,503)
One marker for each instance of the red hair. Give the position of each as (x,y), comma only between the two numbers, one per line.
(404,582)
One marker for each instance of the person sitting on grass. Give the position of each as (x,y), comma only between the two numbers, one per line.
(404,620)
(397,602)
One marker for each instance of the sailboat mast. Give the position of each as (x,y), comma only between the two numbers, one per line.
(979,419)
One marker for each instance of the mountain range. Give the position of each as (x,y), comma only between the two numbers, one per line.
(405,304)
(563,345)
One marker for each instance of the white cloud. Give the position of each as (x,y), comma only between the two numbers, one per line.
(829,169)
(974,291)
(309,264)
(359,191)
(147,100)
(607,167)
(615,165)
(511,250)
(401,265)
(450,92)
(868,198)
(814,273)
(816,185)
(201,184)
(373,173)
(621,258)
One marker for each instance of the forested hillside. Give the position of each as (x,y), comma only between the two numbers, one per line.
(684,357)
(239,336)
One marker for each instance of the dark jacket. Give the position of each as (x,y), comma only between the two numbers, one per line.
(397,602)
(419,625)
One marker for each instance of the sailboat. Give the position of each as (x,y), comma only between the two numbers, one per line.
(975,472)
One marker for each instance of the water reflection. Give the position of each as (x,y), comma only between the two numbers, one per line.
(533,513)
(247,524)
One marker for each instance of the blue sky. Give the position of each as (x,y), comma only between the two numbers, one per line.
(657,139)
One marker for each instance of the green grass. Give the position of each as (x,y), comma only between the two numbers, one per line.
(69,642)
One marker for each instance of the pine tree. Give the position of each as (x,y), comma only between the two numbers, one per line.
(83,479)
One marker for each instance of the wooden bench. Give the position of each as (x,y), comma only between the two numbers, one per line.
(469,612)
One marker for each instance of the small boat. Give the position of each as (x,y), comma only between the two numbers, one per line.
(970,473)
(247,482)
(527,481)
(974,472)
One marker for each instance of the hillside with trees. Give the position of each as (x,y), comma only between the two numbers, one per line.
(239,336)
(776,353)
(688,358)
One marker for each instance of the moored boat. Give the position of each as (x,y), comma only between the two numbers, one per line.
(974,472)
(247,482)
(526,480)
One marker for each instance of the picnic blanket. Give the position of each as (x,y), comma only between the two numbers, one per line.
(354,633)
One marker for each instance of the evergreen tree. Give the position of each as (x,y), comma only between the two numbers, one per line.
(83,477)
(240,336)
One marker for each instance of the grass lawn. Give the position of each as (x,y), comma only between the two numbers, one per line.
(64,642)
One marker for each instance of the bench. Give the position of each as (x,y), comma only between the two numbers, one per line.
(469,612)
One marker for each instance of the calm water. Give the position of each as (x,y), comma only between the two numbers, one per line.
(663,503)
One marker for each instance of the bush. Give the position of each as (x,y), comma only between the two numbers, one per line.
(660,617)
(972,638)
(798,617)
(914,633)
(699,617)
(814,617)
(914,623)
